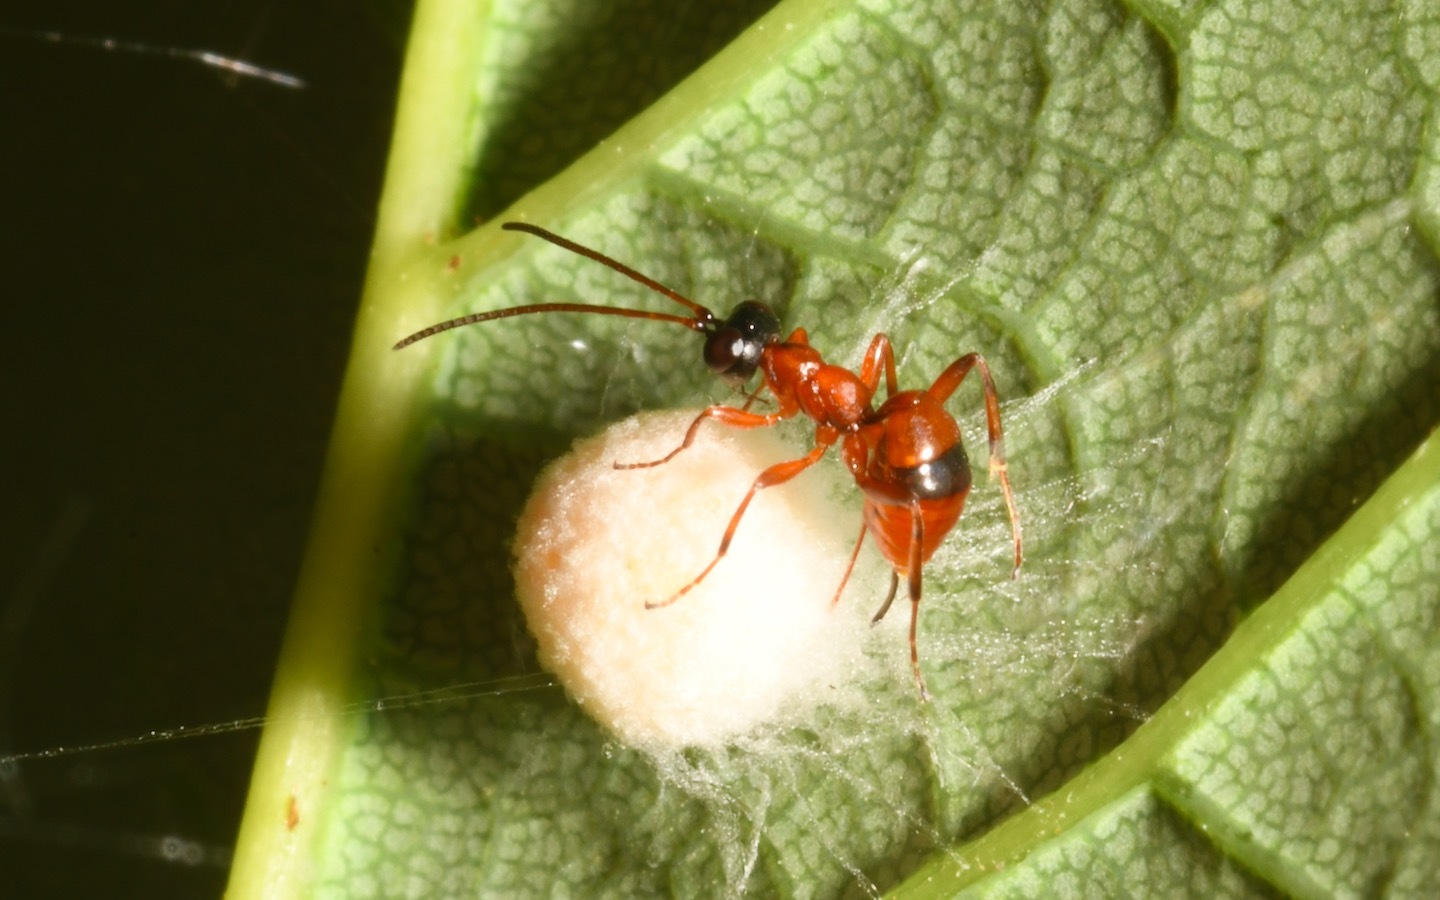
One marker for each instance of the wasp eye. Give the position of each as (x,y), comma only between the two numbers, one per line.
(724,351)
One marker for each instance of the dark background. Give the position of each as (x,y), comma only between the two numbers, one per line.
(181,257)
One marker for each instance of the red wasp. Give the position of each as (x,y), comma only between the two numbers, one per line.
(907,456)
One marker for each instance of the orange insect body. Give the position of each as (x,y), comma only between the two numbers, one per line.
(916,460)
(893,526)
(832,396)
(915,476)
(907,456)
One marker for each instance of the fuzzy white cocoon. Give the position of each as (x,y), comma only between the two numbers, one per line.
(757,638)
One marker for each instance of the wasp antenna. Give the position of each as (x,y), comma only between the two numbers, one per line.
(474,318)
(703,315)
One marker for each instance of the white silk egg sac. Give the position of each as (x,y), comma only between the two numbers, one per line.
(757,639)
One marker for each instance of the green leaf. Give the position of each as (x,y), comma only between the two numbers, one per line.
(1300,757)
(1195,243)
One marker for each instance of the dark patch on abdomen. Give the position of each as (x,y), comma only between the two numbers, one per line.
(944,476)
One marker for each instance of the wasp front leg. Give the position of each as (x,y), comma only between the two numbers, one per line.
(776,474)
(726,415)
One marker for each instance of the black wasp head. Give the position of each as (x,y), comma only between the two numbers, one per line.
(734,346)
